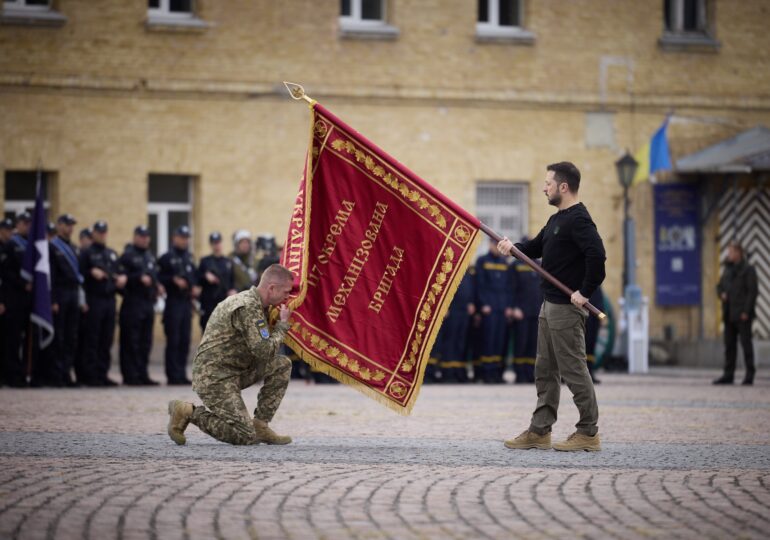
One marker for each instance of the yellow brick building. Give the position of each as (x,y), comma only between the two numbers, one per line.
(118,100)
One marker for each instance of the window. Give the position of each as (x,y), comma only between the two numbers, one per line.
(502,20)
(169,206)
(31,12)
(504,207)
(365,18)
(176,13)
(686,25)
(20,191)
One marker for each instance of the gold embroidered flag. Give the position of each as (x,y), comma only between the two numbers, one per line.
(378,254)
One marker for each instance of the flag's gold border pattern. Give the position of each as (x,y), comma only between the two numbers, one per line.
(397,395)
(413,196)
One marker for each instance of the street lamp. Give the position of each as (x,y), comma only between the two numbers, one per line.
(626,167)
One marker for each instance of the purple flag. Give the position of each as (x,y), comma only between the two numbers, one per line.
(36,268)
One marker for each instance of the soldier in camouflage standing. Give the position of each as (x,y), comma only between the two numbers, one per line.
(239,348)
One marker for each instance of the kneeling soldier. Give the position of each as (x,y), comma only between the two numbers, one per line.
(238,349)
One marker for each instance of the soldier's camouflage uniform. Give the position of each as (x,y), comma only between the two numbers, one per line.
(238,349)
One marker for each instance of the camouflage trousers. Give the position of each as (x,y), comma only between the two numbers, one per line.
(224,415)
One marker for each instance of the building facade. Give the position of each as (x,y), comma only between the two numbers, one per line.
(173,111)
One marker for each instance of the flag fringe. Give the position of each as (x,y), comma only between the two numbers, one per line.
(319,365)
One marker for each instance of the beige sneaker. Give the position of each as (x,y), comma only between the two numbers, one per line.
(530,439)
(578,441)
(267,435)
(179,413)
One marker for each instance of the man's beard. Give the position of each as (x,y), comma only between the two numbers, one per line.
(555,200)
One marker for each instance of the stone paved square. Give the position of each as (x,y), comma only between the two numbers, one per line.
(680,459)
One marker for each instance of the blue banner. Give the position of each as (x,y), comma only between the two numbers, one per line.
(677,245)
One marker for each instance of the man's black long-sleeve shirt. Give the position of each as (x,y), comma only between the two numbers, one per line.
(572,251)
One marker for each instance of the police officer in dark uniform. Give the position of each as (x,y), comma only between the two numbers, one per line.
(215,278)
(17,295)
(452,338)
(66,281)
(85,239)
(527,299)
(137,314)
(178,276)
(6,232)
(103,276)
(494,292)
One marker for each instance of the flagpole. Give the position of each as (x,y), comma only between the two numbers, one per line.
(297,92)
(516,252)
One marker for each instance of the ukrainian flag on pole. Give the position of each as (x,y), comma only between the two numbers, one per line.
(653,156)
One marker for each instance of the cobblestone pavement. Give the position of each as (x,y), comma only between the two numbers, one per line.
(681,459)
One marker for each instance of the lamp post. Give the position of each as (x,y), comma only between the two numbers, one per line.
(626,168)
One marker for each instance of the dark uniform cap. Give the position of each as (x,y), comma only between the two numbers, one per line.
(66,218)
(215,237)
(141,230)
(85,232)
(50,227)
(182,230)
(7,223)
(100,226)
(24,216)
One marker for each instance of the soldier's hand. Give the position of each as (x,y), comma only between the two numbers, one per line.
(509,313)
(180,282)
(196,291)
(486,310)
(120,281)
(211,278)
(285,313)
(146,280)
(98,274)
(578,299)
(518,314)
(471,309)
(504,246)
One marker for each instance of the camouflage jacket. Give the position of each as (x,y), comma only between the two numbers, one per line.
(237,338)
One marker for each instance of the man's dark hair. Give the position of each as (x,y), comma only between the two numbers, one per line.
(565,171)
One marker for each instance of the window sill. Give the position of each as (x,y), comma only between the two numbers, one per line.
(515,36)
(381,31)
(160,23)
(688,42)
(32,17)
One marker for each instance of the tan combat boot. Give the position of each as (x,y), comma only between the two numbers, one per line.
(179,413)
(530,439)
(578,441)
(267,435)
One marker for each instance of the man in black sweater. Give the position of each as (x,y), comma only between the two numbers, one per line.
(572,251)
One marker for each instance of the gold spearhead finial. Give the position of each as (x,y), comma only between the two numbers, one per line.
(296,91)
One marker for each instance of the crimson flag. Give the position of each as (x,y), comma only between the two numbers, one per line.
(378,254)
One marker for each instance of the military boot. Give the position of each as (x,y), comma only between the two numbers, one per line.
(578,441)
(267,435)
(179,413)
(530,439)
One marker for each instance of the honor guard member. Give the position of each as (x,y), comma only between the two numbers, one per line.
(238,349)
(137,316)
(527,300)
(215,278)
(6,232)
(452,338)
(592,333)
(17,293)
(178,276)
(494,292)
(103,278)
(66,283)
(85,239)
(245,266)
